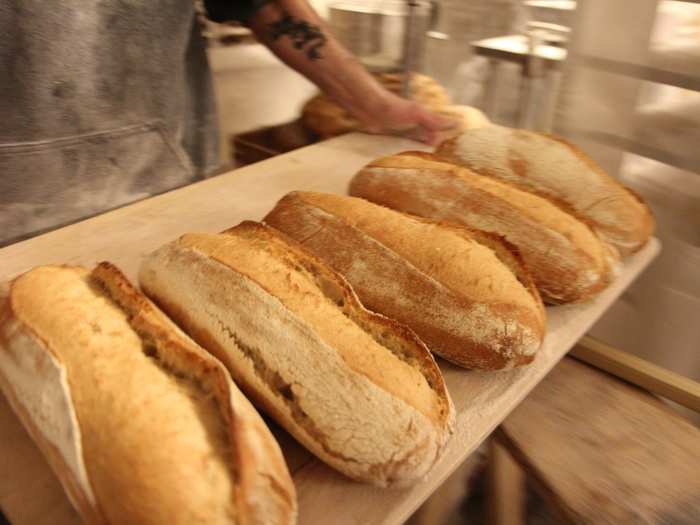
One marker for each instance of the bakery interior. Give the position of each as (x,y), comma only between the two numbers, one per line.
(600,428)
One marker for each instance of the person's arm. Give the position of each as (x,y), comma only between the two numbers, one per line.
(298,36)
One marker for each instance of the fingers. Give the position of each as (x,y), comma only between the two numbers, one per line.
(409,119)
(434,121)
(431,126)
(417,133)
(422,134)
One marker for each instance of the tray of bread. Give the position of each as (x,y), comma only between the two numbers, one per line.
(324,335)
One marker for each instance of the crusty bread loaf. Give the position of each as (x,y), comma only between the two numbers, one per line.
(139,423)
(466,117)
(454,292)
(568,262)
(424,89)
(327,119)
(557,170)
(360,391)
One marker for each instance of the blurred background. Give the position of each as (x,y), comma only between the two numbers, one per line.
(620,78)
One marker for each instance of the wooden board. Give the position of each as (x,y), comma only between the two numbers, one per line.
(482,400)
(605,451)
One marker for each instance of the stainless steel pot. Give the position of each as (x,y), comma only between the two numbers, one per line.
(375,31)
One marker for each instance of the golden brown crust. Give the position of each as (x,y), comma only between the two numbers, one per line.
(13,331)
(555,201)
(253,472)
(297,340)
(509,255)
(397,336)
(49,299)
(559,171)
(438,313)
(568,262)
(9,328)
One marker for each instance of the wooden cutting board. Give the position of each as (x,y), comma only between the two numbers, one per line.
(30,496)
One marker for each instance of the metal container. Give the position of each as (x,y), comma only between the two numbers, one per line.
(560,12)
(375,31)
(358,27)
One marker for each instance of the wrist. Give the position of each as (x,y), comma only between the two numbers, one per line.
(370,104)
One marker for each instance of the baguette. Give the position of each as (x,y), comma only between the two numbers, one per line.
(453,292)
(358,390)
(139,423)
(559,171)
(567,260)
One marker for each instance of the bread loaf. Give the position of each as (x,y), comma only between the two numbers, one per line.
(568,262)
(466,117)
(140,425)
(424,89)
(452,291)
(327,119)
(559,171)
(358,390)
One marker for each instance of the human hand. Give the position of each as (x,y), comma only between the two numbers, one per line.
(390,114)
(296,34)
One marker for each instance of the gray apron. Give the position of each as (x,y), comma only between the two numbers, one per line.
(101,103)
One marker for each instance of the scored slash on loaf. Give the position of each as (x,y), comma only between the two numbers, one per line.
(453,292)
(554,169)
(139,424)
(360,391)
(567,260)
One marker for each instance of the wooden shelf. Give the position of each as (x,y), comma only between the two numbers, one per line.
(29,494)
(646,375)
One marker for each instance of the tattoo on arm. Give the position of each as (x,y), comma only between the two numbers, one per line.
(304,36)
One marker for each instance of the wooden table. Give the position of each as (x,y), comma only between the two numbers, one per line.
(30,495)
